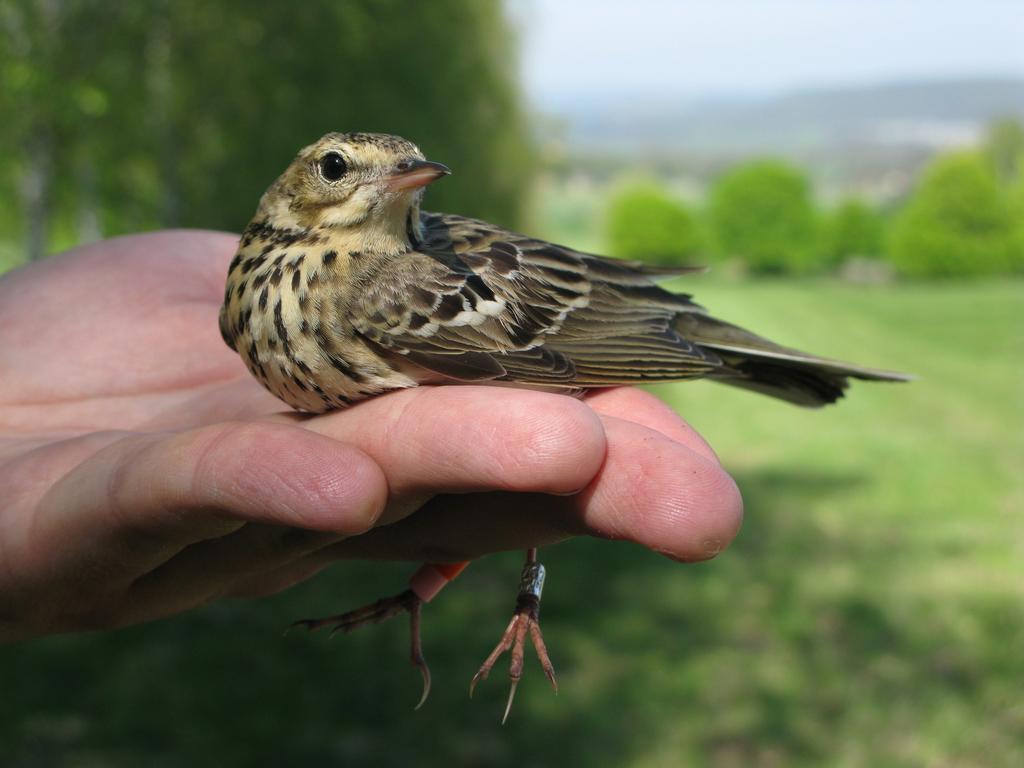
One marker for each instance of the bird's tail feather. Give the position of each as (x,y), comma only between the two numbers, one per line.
(755,363)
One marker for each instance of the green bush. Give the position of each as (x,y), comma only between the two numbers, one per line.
(853,229)
(958,222)
(646,223)
(762,212)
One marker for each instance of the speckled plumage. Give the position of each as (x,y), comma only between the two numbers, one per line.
(342,289)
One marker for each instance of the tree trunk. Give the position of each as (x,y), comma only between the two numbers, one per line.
(35,195)
(161,93)
(90,228)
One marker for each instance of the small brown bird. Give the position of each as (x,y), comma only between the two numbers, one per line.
(342,289)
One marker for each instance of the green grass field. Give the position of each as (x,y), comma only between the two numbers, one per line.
(871,612)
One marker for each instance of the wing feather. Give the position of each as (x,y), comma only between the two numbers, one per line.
(477,302)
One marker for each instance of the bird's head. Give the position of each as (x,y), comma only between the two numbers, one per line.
(365,186)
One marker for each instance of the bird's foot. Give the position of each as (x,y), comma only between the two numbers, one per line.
(526,620)
(404,602)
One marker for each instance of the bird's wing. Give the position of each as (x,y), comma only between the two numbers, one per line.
(475,302)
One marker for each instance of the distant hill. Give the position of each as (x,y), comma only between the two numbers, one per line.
(914,114)
(867,140)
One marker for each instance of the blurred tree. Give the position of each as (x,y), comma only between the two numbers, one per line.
(958,222)
(35,99)
(853,229)
(1004,147)
(762,212)
(180,112)
(646,223)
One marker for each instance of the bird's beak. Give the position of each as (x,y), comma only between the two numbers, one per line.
(411,174)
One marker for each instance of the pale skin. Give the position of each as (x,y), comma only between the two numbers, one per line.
(145,472)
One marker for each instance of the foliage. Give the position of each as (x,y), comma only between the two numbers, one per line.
(762,212)
(645,222)
(867,615)
(139,115)
(959,222)
(853,229)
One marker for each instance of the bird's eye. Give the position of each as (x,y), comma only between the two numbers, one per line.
(332,166)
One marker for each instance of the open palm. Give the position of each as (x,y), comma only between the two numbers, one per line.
(144,471)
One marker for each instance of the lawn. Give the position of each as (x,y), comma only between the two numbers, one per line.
(871,612)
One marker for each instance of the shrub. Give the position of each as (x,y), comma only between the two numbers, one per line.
(646,223)
(958,222)
(762,212)
(853,229)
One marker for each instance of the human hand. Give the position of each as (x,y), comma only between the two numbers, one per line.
(144,471)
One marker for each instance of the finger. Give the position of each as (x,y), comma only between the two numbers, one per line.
(661,494)
(213,568)
(277,580)
(433,440)
(651,490)
(642,407)
(133,504)
(465,526)
(453,528)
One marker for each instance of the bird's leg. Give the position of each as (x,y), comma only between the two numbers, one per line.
(423,586)
(525,620)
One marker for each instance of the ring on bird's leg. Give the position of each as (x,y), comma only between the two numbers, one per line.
(526,619)
(407,601)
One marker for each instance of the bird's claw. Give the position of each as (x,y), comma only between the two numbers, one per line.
(525,621)
(404,602)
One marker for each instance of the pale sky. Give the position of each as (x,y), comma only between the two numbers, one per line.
(575,48)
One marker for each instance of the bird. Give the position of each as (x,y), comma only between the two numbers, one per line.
(343,289)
